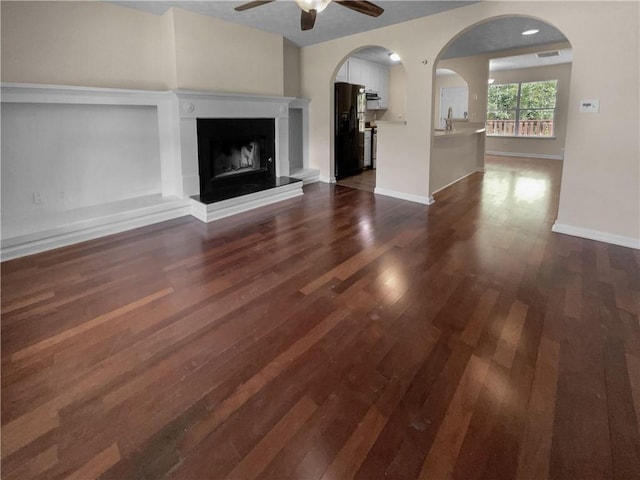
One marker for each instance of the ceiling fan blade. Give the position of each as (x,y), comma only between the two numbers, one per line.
(247,6)
(307,19)
(367,8)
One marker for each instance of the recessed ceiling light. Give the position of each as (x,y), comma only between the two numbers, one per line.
(394,57)
(530,32)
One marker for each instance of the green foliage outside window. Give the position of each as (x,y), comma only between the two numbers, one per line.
(502,101)
(514,103)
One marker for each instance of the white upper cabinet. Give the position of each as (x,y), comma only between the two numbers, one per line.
(374,77)
(343,73)
(356,75)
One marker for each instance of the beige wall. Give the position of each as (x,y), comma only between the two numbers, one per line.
(83,43)
(397,93)
(101,45)
(448,80)
(601,178)
(475,71)
(215,55)
(454,157)
(291,69)
(537,146)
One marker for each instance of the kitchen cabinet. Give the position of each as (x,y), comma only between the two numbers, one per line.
(343,73)
(355,71)
(374,77)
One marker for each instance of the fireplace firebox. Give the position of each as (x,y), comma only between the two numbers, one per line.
(235,156)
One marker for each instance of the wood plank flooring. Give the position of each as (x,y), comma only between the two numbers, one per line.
(339,335)
(363,181)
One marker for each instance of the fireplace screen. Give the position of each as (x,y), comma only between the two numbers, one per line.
(234,151)
(241,158)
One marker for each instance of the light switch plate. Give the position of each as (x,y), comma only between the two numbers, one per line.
(589,106)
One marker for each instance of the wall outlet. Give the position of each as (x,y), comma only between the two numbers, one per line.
(37,198)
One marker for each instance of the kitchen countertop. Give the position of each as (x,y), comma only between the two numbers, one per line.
(458,132)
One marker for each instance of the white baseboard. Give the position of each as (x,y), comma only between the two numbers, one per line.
(324,179)
(215,211)
(525,155)
(88,230)
(404,196)
(605,237)
(101,224)
(307,175)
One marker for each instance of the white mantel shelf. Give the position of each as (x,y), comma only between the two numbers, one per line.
(69,94)
(243,97)
(177,114)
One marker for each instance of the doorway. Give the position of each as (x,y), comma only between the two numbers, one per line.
(517,94)
(368,87)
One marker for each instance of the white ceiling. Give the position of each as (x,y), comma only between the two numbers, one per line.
(283,17)
(375,54)
(503,34)
(529,60)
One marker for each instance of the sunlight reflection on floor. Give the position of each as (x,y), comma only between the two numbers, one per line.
(530,189)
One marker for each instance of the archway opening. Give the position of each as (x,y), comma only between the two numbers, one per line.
(451,93)
(517,70)
(369,86)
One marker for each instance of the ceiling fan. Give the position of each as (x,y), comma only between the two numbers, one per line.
(310,8)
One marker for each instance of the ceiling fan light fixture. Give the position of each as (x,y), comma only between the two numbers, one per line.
(317,5)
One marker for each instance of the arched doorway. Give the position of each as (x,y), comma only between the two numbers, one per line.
(369,85)
(518,73)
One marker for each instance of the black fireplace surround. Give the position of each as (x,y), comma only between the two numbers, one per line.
(235,156)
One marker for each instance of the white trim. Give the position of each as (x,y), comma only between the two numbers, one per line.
(324,179)
(404,196)
(242,97)
(177,117)
(90,229)
(525,155)
(68,94)
(596,235)
(216,211)
(479,170)
(307,175)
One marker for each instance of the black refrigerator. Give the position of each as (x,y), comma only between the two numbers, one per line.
(350,105)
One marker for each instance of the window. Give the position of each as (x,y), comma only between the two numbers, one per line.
(524,109)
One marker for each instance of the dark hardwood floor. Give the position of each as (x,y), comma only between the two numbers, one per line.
(363,181)
(339,335)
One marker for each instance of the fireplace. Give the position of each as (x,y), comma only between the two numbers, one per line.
(236,156)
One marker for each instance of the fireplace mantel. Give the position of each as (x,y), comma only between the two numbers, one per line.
(177,168)
(192,105)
